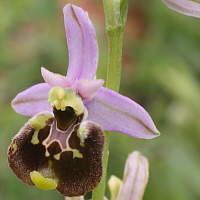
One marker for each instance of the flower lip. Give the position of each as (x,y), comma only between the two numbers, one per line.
(59,158)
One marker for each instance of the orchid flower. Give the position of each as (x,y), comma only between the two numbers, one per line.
(61,146)
(186,7)
(136,175)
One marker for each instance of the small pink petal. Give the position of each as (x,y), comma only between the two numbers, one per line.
(186,7)
(136,174)
(88,88)
(55,79)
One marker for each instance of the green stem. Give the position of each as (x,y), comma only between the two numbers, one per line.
(113,82)
(115,36)
(115,15)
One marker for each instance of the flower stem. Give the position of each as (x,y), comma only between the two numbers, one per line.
(115,37)
(115,15)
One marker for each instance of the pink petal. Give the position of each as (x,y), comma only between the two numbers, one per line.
(115,112)
(186,7)
(32,100)
(88,88)
(82,44)
(136,174)
(55,79)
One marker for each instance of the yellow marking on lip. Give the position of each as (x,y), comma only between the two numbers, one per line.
(14,148)
(41,182)
(81,133)
(34,139)
(76,153)
(47,154)
(38,122)
(57,156)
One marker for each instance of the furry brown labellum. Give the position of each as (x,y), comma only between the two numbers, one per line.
(52,155)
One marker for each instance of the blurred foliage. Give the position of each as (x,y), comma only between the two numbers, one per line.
(161,71)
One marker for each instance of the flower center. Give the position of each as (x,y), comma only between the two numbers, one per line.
(64,118)
(67,106)
(60,98)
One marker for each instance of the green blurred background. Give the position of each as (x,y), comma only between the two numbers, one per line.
(160,71)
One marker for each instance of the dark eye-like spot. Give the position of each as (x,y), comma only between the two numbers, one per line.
(43,133)
(54,148)
(64,118)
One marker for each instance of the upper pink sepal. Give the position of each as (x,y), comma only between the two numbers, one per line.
(82,44)
(55,79)
(88,88)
